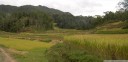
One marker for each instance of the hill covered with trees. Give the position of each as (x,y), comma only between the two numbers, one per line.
(23,18)
(28,17)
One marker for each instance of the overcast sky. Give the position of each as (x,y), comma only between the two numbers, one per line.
(76,7)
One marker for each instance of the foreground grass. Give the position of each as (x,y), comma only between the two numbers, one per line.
(104,46)
(34,55)
(67,52)
(34,50)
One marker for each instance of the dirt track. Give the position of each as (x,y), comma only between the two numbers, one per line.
(6,56)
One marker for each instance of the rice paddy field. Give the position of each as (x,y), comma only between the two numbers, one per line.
(25,50)
(22,44)
(107,47)
(32,47)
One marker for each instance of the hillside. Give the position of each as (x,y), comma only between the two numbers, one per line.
(28,17)
(113,25)
(112,28)
(9,9)
(25,18)
(42,18)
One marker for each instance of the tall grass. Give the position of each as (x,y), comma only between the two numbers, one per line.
(103,46)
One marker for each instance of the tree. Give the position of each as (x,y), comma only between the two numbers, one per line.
(123,5)
(21,20)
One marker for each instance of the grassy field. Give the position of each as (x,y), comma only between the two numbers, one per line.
(22,44)
(26,50)
(105,46)
(113,31)
(34,55)
(32,47)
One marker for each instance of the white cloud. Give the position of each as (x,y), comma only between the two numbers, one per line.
(76,7)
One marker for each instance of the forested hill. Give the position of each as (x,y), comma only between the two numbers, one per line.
(28,17)
(9,8)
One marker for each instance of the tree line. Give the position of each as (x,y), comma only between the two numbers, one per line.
(68,21)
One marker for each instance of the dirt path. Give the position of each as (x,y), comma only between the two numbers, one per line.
(7,57)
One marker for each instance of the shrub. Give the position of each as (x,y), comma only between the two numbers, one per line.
(69,53)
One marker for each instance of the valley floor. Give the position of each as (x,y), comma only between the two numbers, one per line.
(32,47)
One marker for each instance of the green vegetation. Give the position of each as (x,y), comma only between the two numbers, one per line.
(83,48)
(41,18)
(68,52)
(34,55)
(26,50)
(123,31)
(22,44)
(41,34)
(25,21)
(90,47)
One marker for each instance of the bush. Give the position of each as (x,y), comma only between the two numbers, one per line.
(69,53)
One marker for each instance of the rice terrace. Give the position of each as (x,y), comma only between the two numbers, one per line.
(64,31)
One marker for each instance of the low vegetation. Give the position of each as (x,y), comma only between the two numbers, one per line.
(25,50)
(119,31)
(67,52)
(22,44)
(33,55)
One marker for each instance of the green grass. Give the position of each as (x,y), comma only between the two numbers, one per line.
(120,31)
(105,46)
(22,44)
(34,55)
(35,49)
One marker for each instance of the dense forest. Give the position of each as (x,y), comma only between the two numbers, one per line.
(28,17)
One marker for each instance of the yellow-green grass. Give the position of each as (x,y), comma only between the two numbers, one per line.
(104,46)
(19,44)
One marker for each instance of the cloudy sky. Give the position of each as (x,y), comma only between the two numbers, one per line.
(76,7)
